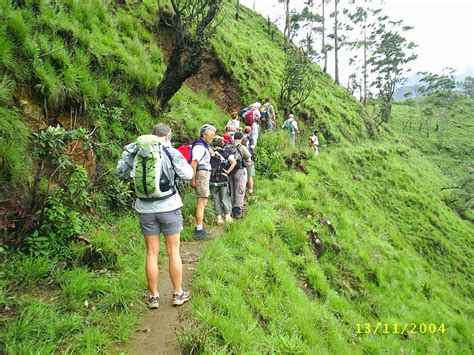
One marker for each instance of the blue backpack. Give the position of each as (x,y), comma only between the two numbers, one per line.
(243,112)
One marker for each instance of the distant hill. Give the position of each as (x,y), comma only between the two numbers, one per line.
(400,92)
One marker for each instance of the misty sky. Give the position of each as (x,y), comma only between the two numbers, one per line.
(443,31)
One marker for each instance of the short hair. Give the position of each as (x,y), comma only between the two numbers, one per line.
(238,135)
(218,141)
(206,129)
(234,115)
(161,130)
(267,99)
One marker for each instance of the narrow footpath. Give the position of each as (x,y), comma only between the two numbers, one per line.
(157,332)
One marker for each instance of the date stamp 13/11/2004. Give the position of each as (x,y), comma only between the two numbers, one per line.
(402,328)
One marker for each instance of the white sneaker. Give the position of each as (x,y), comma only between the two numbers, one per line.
(228,218)
(220,221)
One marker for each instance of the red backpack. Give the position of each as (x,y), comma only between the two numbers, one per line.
(248,118)
(185,150)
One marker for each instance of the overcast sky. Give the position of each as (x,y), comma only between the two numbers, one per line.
(443,31)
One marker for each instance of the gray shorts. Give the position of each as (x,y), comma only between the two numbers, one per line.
(168,223)
(251,169)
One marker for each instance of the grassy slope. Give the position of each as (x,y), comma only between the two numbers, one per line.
(81,54)
(403,259)
(444,136)
(257,63)
(247,287)
(404,253)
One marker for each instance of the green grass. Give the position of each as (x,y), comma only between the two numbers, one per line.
(400,254)
(396,243)
(70,307)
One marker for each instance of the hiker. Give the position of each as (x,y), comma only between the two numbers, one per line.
(231,131)
(238,178)
(228,138)
(314,143)
(292,126)
(201,164)
(234,121)
(222,164)
(248,142)
(160,213)
(271,114)
(252,119)
(267,115)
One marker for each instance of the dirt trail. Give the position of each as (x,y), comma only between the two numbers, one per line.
(157,332)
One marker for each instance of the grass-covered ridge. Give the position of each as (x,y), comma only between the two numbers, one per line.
(256,62)
(400,255)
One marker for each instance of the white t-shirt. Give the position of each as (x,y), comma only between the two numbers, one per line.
(295,125)
(314,140)
(234,123)
(203,157)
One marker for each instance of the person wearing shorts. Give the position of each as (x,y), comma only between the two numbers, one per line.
(201,164)
(161,217)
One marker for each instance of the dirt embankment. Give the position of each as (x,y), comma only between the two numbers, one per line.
(211,78)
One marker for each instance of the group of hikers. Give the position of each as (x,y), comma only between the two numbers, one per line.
(219,166)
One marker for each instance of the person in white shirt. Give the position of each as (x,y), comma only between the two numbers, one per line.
(201,164)
(292,126)
(233,122)
(314,142)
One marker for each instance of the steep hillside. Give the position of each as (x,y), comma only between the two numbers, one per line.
(394,255)
(393,252)
(256,62)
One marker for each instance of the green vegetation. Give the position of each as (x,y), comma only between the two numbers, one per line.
(261,288)
(400,252)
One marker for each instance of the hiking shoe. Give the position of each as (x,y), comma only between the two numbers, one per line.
(237,212)
(179,299)
(228,218)
(220,221)
(202,235)
(153,302)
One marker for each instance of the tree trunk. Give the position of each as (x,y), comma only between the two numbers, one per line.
(287,25)
(237,8)
(365,68)
(178,70)
(324,50)
(309,41)
(336,61)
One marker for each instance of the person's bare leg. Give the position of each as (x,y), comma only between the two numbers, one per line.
(250,183)
(175,266)
(200,206)
(151,269)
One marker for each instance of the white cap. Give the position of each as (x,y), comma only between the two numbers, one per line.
(291,116)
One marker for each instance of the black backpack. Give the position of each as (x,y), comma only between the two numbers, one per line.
(233,149)
(218,165)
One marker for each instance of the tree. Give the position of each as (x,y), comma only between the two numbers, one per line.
(468,86)
(308,20)
(237,10)
(324,48)
(392,53)
(339,38)
(336,46)
(287,31)
(437,82)
(299,79)
(191,22)
(364,18)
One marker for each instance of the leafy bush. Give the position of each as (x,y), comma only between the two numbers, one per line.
(269,157)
